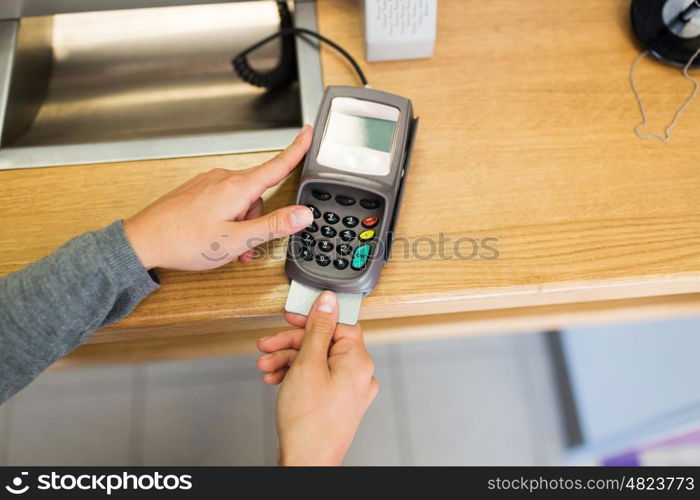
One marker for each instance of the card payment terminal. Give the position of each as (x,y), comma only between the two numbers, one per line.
(353,179)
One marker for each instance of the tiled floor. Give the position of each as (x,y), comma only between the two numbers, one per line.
(483,400)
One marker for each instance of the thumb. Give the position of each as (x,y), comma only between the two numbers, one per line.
(323,319)
(277,224)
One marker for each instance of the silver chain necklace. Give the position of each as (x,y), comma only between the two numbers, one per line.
(667,132)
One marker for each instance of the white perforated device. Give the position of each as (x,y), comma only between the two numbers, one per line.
(399,29)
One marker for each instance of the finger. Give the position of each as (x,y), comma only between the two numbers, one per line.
(274,361)
(373,388)
(273,171)
(255,210)
(294,319)
(288,339)
(276,377)
(319,329)
(349,332)
(349,353)
(278,224)
(247,256)
(197,178)
(349,339)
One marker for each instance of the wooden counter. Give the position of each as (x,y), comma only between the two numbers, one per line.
(526,137)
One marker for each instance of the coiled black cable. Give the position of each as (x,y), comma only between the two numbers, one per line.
(286,69)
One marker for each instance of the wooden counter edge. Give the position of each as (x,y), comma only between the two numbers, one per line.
(513,320)
(387,308)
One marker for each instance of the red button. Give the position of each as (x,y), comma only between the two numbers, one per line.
(370,221)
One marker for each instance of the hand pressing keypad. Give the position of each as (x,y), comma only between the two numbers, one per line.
(342,237)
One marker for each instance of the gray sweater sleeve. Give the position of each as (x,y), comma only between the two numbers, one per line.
(53,305)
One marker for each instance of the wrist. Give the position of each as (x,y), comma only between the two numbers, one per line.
(294,456)
(140,244)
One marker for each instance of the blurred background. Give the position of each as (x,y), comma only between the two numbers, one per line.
(624,393)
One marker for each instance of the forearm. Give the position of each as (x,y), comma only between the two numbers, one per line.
(53,305)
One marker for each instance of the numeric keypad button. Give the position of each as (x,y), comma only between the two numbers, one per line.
(328,231)
(306,254)
(350,221)
(347,235)
(340,263)
(315,211)
(325,246)
(344,249)
(331,218)
(323,260)
(307,238)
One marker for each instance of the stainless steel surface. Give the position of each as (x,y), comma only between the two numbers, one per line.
(14,9)
(30,76)
(148,83)
(310,79)
(8,39)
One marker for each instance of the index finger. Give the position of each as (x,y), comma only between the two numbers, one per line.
(352,333)
(273,171)
(294,319)
(343,331)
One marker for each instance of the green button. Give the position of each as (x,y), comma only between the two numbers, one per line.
(359,258)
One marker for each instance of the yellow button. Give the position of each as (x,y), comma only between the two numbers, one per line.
(367,235)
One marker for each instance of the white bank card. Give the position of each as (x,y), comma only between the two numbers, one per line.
(302,297)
